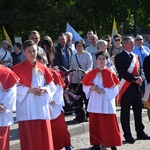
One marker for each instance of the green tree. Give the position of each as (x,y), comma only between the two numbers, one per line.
(49,17)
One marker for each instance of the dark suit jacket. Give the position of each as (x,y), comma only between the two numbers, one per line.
(58,60)
(146,67)
(122,63)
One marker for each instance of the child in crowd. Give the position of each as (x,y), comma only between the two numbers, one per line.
(70,92)
(61,136)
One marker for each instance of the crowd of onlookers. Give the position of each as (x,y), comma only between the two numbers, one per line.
(126,57)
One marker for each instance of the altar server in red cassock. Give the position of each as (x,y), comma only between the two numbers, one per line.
(34,94)
(101,87)
(61,136)
(8,92)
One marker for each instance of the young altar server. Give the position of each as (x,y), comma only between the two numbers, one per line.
(61,136)
(34,93)
(101,87)
(8,93)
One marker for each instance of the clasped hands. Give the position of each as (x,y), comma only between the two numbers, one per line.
(97,89)
(37,91)
(138,80)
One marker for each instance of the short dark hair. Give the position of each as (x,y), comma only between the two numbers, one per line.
(126,39)
(28,43)
(102,53)
(62,34)
(34,32)
(80,42)
(117,36)
(107,36)
(18,45)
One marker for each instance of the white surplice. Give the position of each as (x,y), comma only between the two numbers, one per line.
(101,103)
(56,108)
(33,107)
(8,99)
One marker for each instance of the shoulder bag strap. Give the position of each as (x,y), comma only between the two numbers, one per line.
(78,62)
(4,56)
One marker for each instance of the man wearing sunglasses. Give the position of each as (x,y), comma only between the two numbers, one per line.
(140,50)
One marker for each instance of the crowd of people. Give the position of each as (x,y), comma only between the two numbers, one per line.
(114,72)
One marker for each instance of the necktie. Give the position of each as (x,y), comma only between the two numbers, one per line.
(130,55)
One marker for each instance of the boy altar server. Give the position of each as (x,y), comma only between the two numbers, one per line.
(8,92)
(34,94)
(59,127)
(101,87)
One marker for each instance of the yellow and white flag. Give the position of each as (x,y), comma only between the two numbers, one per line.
(7,36)
(114,29)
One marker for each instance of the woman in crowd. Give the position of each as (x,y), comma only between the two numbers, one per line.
(117,46)
(109,41)
(102,47)
(80,60)
(47,45)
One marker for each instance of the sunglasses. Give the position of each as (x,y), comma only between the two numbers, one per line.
(117,39)
(138,39)
(107,40)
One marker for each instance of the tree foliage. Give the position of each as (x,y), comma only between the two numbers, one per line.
(49,17)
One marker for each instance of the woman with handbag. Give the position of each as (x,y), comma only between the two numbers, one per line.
(81,60)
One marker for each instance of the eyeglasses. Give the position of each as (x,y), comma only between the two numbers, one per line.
(139,39)
(107,40)
(117,40)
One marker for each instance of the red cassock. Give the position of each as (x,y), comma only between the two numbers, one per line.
(104,128)
(61,136)
(34,134)
(4,138)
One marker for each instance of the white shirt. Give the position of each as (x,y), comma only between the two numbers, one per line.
(8,98)
(101,103)
(56,108)
(33,107)
(74,51)
(8,56)
(91,49)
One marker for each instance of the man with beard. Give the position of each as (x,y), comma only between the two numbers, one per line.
(63,53)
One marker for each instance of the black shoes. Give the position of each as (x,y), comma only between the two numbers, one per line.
(69,148)
(143,137)
(114,148)
(95,147)
(130,140)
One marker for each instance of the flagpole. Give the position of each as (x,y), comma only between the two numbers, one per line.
(134,18)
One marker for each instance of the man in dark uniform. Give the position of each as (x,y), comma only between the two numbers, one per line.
(131,76)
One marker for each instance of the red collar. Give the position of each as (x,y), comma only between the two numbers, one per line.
(57,78)
(7,77)
(24,72)
(108,77)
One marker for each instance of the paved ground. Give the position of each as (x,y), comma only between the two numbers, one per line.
(81,142)
(80,135)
